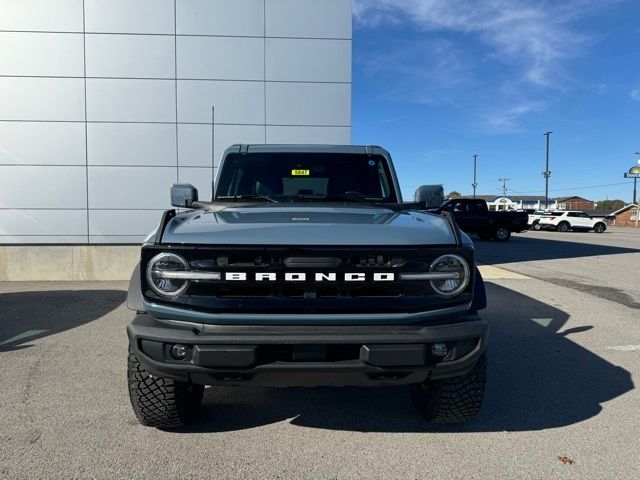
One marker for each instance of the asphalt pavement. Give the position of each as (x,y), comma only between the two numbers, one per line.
(563,355)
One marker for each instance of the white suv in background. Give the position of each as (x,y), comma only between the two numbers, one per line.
(571,220)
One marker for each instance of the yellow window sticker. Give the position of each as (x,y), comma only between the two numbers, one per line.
(300,173)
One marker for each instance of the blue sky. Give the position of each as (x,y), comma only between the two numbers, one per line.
(435,81)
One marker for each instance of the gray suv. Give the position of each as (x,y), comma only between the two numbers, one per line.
(305,269)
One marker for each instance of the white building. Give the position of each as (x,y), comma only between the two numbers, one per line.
(105,103)
(517,202)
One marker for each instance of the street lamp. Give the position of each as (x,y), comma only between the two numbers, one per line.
(546,174)
(474,184)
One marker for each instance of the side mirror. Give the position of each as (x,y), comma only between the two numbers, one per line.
(183,195)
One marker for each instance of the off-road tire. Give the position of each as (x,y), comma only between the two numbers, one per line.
(452,400)
(563,227)
(536,226)
(161,402)
(502,234)
(599,227)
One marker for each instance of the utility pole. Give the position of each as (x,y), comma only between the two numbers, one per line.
(504,189)
(546,174)
(474,184)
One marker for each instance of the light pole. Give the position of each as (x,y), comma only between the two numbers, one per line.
(474,184)
(546,174)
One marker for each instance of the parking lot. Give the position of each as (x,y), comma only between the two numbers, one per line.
(564,310)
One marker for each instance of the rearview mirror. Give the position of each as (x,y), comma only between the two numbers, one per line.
(183,195)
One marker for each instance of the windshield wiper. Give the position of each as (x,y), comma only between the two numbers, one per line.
(247,197)
(345,198)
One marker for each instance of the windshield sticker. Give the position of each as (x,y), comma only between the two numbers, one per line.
(300,173)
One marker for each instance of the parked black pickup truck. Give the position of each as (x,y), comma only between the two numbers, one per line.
(473,216)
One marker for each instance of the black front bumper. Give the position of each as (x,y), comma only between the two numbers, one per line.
(307,355)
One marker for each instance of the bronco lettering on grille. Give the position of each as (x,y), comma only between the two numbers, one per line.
(304,277)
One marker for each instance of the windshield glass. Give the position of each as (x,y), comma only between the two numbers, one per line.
(331,176)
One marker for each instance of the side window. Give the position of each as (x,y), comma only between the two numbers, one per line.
(458,207)
(584,215)
(572,214)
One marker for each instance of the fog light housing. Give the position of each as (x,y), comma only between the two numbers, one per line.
(439,350)
(180,351)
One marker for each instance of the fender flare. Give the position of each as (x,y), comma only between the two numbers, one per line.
(479,294)
(134,293)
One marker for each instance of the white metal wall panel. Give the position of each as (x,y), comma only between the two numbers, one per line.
(235,102)
(130,187)
(309,104)
(41,54)
(308,60)
(221,58)
(129,16)
(41,15)
(130,56)
(308,18)
(220,17)
(131,144)
(30,98)
(42,143)
(120,100)
(43,187)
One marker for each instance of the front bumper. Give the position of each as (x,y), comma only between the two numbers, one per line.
(290,355)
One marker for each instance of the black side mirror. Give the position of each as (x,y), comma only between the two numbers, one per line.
(183,195)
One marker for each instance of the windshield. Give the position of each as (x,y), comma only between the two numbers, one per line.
(324,176)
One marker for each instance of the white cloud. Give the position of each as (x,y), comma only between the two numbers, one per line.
(635,94)
(533,35)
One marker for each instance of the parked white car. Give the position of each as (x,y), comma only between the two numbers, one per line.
(534,219)
(571,220)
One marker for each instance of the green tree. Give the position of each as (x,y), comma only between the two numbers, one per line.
(453,194)
(609,205)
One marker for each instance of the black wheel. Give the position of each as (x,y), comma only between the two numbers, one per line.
(599,227)
(452,400)
(563,227)
(536,226)
(161,402)
(502,234)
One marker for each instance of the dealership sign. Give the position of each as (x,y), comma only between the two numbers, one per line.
(632,175)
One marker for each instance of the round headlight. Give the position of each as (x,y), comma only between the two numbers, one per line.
(450,264)
(159,274)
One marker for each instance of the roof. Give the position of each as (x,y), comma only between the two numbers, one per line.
(624,209)
(598,213)
(565,199)
(305,148)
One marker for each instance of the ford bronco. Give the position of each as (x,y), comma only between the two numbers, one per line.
(305,269)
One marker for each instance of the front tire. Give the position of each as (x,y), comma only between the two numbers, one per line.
(161,402)
(536,226)
(502,234)
(452,400)
(599,227)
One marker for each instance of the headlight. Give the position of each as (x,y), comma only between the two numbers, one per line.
(450,264)
(159,274)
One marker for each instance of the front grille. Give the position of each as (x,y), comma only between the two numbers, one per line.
(309,296)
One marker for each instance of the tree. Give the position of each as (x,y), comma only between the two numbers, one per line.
(453,194)
(609,205)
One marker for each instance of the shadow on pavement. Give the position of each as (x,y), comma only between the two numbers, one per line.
(538,378)
(26,316)
(523,248)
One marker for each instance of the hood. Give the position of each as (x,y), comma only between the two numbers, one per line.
(307,224)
